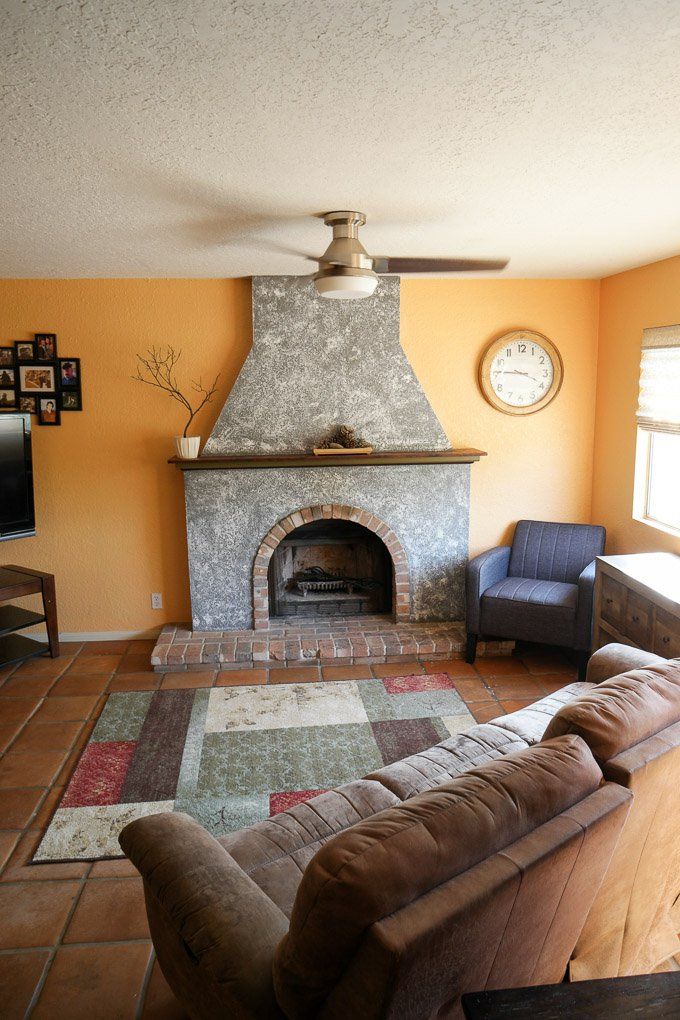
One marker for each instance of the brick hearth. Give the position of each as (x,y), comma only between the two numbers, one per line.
(353,640)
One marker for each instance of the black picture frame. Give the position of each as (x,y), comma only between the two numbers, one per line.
(70,400)
(45,346)
(54,413)
(42,366)
(23,354)
(70,385)
(9,377)
(8,399)
(28,404)
(65,382)
(7,357)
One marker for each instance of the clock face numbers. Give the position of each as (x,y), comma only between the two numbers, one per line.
(521,373)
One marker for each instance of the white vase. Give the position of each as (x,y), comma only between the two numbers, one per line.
(187,446)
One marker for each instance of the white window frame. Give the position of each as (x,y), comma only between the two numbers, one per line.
(643,460)
(663,336)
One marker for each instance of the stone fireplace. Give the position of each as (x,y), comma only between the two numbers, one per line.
(279,538)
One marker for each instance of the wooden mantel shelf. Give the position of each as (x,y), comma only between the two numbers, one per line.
(295,460)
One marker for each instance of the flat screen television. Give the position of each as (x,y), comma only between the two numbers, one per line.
(17,513)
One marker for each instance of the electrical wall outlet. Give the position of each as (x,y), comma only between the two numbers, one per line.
(156,600)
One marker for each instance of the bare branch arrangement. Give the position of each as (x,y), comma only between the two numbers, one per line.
(158,369)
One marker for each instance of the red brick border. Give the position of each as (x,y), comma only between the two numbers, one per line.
(401,590)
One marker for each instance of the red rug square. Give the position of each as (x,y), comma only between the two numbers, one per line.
(399,738)
(284,801)
(418,682)
(100,774)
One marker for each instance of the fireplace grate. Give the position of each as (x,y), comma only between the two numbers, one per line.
(336,585)
(316,579)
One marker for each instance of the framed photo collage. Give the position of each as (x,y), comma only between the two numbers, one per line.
(35,380)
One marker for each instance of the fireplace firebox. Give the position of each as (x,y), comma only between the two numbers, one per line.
(330,568)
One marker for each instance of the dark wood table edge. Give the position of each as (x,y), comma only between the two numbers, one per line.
(43,584)
(641,995)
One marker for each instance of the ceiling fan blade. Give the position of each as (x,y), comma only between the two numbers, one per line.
(282,249)
(387,264)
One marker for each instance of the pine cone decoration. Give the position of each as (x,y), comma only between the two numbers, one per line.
(344,438)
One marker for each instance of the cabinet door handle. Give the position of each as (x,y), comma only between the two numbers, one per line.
(665,639)
(609,601)
(635,619)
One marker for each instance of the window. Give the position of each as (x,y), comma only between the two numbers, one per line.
(657,464)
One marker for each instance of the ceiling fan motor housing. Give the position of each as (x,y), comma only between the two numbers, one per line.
(345,268)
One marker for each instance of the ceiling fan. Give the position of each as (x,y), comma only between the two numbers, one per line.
(346,270)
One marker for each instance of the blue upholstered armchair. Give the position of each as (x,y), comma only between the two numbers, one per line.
(538,589)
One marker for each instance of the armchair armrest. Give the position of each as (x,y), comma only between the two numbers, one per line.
(610,660)
(583,636)
(481,572)
(207,916)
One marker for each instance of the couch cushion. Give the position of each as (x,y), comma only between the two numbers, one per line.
(613,659)
(387,861)
(619,713)
(530,609)
(528,724)
(276,851)
(429,769)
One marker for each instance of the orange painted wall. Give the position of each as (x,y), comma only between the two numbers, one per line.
(110,514)
(110,510)
(629,302)
(538,465)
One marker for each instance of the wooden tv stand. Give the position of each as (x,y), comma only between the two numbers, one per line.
(16,582)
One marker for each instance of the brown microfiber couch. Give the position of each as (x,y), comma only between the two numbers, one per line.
(472,865)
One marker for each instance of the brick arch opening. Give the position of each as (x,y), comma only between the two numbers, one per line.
(401,587)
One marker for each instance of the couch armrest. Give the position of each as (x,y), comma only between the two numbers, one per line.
(583,636)
(481,572)
(613,659)
(222,924)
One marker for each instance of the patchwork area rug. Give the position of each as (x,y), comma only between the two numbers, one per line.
(230,756)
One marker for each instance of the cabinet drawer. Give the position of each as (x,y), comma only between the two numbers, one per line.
(666,634)
(613,602)
(638,620)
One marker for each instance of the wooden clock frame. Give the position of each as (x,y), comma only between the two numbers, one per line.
(490,353)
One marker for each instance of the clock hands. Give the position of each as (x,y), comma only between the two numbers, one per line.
(515,371)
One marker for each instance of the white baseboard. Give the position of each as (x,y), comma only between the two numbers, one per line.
(109,635)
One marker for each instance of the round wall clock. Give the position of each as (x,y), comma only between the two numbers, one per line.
(521,372)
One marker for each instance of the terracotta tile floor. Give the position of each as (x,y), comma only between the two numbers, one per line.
(73,937)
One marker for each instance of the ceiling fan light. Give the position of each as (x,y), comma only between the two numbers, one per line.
(343,283)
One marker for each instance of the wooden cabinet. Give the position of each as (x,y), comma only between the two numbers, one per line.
(613,601)
(666,634)
(637,602)
(638,619)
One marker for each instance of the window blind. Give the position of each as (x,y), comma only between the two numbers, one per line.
(659,398)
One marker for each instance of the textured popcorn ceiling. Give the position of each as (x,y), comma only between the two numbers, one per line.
(195,137)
